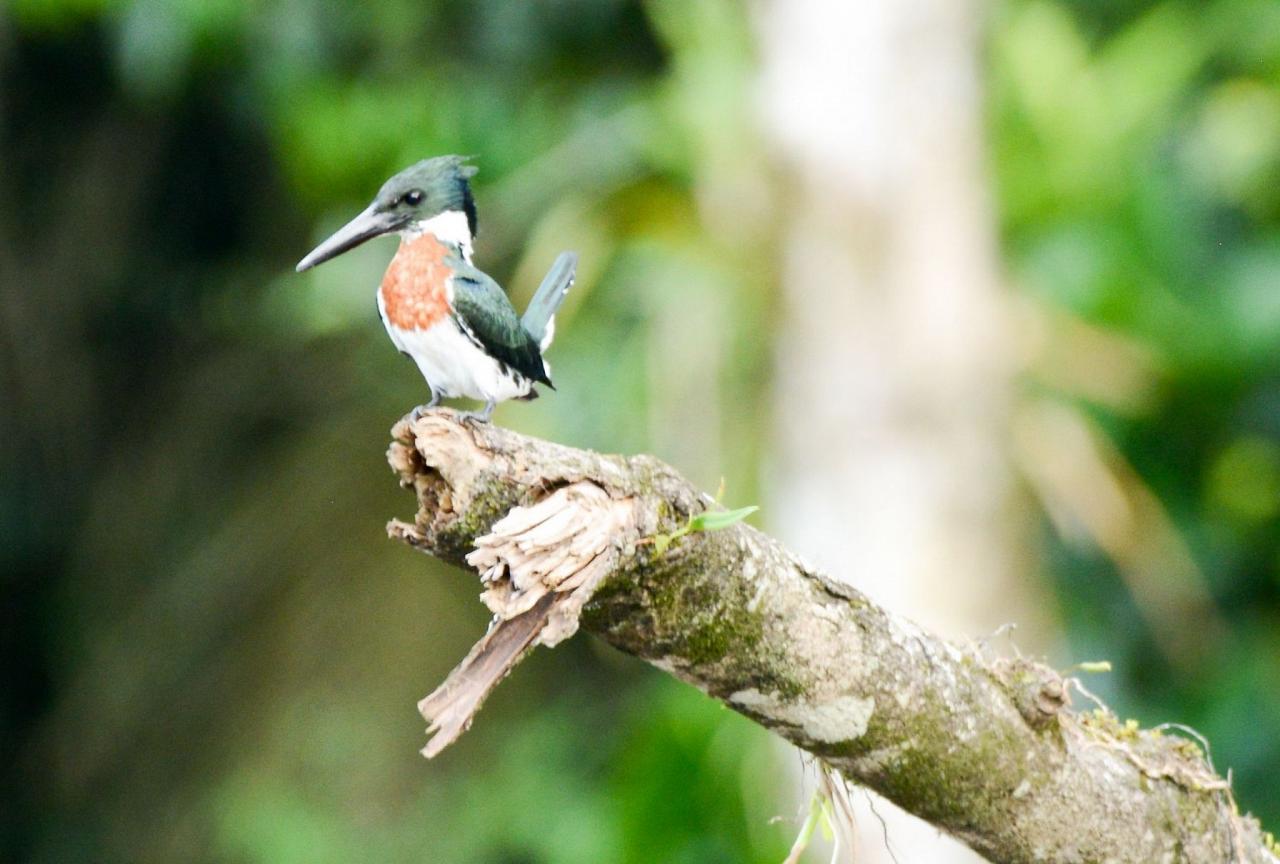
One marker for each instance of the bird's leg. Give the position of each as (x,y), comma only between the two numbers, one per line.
(479,416)
(421,409)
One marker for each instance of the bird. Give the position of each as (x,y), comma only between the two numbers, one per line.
(451,319)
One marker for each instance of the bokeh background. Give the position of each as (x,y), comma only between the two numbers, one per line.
(980,302)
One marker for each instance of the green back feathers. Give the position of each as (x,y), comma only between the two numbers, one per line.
(486,315)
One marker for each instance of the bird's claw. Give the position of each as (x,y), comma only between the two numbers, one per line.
(417,413)
(477,416)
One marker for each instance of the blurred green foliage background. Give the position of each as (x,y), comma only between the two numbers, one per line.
(213,653)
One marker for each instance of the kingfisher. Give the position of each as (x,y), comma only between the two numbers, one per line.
(452,320)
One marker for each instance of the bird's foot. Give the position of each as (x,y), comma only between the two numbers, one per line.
(477,416)
(423,409)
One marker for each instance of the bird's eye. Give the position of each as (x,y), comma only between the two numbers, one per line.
(413,197)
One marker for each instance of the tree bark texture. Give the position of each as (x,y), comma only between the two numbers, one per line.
(987,749)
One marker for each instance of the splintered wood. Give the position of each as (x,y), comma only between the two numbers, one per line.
(540,564)
(563,545)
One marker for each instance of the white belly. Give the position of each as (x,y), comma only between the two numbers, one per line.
(454,366)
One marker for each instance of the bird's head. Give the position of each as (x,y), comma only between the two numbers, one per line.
(432,196)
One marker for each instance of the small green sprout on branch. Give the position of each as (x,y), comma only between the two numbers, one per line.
(707,520)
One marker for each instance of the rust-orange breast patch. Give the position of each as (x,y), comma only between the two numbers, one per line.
(413,288)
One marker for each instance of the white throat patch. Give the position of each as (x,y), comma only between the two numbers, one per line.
(449,227)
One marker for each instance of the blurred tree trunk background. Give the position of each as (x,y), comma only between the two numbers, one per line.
(895,351)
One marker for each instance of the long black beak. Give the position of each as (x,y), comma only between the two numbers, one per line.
(370,223)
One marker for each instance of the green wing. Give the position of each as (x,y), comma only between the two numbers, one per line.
(486,315)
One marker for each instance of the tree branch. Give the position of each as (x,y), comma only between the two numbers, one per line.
(987,750)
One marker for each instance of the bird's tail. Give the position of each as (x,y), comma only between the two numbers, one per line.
(539,319)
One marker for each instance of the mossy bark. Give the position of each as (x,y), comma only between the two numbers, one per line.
(986,750)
